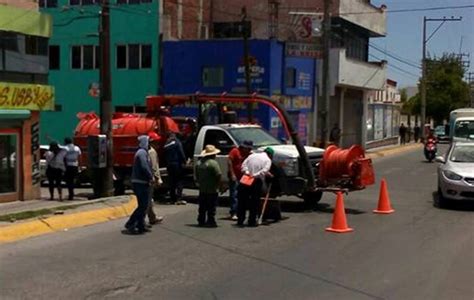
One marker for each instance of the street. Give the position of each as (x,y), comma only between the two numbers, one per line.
(419,252)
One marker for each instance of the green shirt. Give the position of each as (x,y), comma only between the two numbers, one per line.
(208,175)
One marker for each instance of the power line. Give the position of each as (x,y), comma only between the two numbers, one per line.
(395,57)
(395,67)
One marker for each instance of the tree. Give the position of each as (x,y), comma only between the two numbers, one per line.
(445,88)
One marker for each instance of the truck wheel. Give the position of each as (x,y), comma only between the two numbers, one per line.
(311,199)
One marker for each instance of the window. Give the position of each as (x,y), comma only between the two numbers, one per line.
(83,2)
(133,1)
(48,3)
(213,76)
(220,139)
(35,45)
(134,56)
(9,41)
(85,57)
(232,29)
(121,57)
(54,57)
(290,77)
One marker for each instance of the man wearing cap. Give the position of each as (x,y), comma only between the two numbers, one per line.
(235,160)
(208,175)
(154,143)
(257,166)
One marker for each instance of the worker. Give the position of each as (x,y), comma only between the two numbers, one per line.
(236,157)
(72,165)
(157,181)
(175,159)
(254,168)
(142,176)
(335,134)
(209,176)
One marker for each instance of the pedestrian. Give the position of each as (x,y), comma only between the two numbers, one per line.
(255,168)
(416,133)
(235,160)
(209,176)
(175,160)
(335,135)
(55,168)
(72,165)
(142,177)
(157,181)
(402,132)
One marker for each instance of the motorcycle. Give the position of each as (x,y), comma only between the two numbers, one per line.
(430,149)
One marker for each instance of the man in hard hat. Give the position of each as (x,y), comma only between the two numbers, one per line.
(254,168)
(208,175)
(157,181)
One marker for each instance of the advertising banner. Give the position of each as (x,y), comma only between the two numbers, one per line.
(26,96)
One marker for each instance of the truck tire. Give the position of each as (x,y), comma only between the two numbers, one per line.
(311,199)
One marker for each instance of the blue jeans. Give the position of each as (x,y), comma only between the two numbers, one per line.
(137,219)
(233,195)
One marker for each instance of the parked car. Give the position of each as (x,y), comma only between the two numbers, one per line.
(441,134)
(456,173)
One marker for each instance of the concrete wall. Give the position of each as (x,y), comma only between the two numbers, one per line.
(354,73)
(366,16)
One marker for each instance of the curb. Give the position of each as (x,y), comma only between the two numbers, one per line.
(392,151)
(64,222)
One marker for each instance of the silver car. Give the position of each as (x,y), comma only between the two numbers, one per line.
(456,173)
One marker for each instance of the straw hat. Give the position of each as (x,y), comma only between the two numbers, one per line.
(210,150)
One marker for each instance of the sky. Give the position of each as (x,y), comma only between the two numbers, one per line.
(404,35)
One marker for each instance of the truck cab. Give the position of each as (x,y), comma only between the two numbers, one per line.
(228,136)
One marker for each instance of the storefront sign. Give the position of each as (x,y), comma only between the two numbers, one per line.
(35,154)
(311,50)
(26,96)
(256,72)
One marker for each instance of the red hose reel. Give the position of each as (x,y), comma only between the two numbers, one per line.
(348,167)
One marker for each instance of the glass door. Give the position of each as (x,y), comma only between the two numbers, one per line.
(9,161)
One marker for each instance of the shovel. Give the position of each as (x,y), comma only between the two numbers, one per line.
(265,201)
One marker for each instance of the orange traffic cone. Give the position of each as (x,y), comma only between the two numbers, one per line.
(339,222)
(384,206)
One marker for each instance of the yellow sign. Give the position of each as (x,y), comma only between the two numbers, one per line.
(26,96)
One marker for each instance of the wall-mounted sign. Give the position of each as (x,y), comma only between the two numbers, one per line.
(26,96)
(311,50)
(256,71)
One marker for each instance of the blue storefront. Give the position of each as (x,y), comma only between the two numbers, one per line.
(217,66)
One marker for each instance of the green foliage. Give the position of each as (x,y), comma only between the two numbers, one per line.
(445,88)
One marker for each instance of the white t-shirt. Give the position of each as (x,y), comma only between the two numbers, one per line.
(56,161)
(72,155)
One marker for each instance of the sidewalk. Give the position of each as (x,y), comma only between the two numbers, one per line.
(392,150)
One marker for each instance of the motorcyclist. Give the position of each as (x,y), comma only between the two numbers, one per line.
(430,138)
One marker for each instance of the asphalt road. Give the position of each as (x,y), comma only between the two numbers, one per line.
(419,252)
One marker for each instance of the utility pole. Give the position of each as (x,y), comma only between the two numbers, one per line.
(105,180)
(423,66)
(324,105)
(248,83)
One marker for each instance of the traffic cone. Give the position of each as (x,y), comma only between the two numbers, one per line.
(339,222)
(384,206)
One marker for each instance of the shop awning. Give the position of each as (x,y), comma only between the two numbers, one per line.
(11,114)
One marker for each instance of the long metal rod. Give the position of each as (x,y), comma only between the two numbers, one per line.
(324,105)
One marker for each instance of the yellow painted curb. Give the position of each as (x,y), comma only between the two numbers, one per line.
(58,223)
(395,150)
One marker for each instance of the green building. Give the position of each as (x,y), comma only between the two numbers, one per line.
(74,58)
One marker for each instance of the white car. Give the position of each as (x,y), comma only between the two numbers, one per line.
(456,173)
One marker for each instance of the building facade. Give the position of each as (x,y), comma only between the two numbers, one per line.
(384,115)
(298,23)
(74,59)
(24,92)
(217,66)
